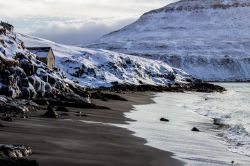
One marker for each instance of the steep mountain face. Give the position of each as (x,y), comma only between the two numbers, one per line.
(101,68)
(208,39)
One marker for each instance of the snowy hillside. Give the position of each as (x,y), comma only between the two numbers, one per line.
(23,76)
(101,68)
(208,39)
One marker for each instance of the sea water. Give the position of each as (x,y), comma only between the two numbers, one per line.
(211,146)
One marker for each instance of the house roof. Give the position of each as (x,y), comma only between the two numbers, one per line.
(42,52)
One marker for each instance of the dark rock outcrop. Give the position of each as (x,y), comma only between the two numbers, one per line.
(194,85)
(14,151)
(106,96)
(51,113)
(200,86)
(15,155)
(17,106)
(69,103)
(164,120)
(195,129)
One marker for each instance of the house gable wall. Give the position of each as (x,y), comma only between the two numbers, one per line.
(51,60)
(45,55)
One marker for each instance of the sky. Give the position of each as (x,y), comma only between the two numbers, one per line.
(74,22)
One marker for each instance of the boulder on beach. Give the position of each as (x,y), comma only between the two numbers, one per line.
(16,155)
(15,151)
(51,113)
(164,120)
(195,129)
(217,122)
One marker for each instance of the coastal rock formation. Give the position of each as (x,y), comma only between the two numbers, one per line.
(194,86)
(200,86)
(23,76)
(19,106)
(106,96)
(108,70)
(14,151)
(15,155)
(206,38)
(95,68)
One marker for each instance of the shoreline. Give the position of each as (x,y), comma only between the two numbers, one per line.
(69,141)
(195,148)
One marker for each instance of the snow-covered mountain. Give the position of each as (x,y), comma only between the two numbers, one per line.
(101,68)
(209,39)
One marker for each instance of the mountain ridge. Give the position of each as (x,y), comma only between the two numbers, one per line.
(189,5)
(194,40)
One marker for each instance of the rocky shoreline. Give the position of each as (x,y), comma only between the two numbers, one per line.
(195,86)
(23,108)
(44,131)
(28,86)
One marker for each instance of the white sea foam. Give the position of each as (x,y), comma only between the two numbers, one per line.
(232,108)
(211,146)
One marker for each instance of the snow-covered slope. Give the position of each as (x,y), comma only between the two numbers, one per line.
(209,39)
(101,68)
(23,76)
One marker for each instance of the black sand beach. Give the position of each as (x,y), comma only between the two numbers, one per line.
(68,141)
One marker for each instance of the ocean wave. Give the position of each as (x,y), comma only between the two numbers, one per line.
(230,112)
(238,138)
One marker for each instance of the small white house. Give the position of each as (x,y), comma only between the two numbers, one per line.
(44,54)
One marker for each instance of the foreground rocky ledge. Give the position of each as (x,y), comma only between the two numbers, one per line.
(14,151)
(14,155)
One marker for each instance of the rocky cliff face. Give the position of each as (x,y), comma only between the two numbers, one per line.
(22,76)
(208,39)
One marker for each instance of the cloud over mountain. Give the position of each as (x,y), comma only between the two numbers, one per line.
(79,21)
